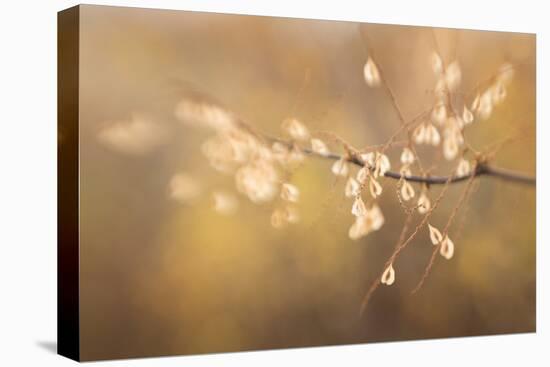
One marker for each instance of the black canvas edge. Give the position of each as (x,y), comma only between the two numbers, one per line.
(68,325)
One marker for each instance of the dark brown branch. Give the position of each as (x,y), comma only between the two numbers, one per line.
(482,169)
(509,175)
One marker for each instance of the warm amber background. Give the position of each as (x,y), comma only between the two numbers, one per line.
(158,277)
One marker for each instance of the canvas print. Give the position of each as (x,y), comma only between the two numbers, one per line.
(234,182)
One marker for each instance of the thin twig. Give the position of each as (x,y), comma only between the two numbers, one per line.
(433,256)
(402,243)
(377,281)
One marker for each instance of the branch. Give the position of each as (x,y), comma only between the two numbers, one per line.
(482,169)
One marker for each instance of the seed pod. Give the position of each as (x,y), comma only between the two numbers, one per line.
(295,156)
(407,191)
(362,175)
(376,216)
(423,203)
(319,147)
(371,74)
(453,76)
(432,135)
(475,103)
(356,230)
(419,134)
(506,73)
(381,165)
(464,168)
(450,148)
(290,193)
(407,156)
(467,116)
(439,114)
(498,92)
(388,277)
(280,151)
(437,63)
(375,188)
(358,208)
(295,129)
(352,188)
(368,159)
(340,167)
(447,248)
(435,235)
(485,105)
(385,164)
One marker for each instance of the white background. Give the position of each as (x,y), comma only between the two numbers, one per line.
(28,183)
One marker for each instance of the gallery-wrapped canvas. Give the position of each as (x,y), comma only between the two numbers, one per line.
(232,182)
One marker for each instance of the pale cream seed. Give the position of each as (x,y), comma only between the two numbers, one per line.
(407,191)
(371,73)
(352,188)
(375,188)
(319,147)
(358,208)
(290,192)
(340,168)
(424,203)
(407,156)
(435,235)
(295,129)
(447,248)
(388,277)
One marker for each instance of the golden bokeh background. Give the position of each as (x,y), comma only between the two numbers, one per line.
(160,277)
